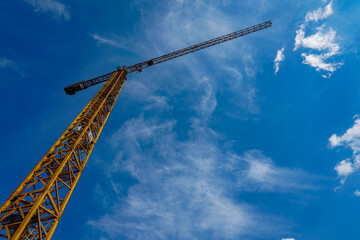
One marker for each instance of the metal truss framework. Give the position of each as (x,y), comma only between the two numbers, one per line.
(35,207)
(138,67)
(72,89)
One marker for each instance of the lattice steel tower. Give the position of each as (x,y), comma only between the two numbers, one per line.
(34,209)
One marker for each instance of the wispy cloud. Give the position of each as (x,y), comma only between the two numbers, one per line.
(56,9)
(107,41)
(186,189)
(207,102)
(322,41)
(6,63)
(200,21)
(179,192)
(350,139)
(357,193)
(157,102)
(147,95)
(279,58)
(262,174)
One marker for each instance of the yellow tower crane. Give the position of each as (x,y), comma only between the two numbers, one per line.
(34,209)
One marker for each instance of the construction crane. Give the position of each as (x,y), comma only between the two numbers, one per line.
(34,209)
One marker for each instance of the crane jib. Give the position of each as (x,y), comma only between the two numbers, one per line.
(72,89)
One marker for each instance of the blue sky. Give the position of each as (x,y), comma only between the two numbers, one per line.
(257,138)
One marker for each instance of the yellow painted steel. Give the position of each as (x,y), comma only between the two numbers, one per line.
(34,209)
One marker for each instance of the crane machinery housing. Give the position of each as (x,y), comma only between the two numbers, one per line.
(34,209)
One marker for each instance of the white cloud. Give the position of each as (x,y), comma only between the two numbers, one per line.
(181,188)
(106,41)
(357,193)
(320,14)
(279,58)
(185,188)
(344,169)
(6,63)
(139,129)
(208,102)
(158,103)
(261,173)
(322,41)
(350,139)
(288,239)
(318,41)
(318,62)
(55,8)
(334,140)
(145,94)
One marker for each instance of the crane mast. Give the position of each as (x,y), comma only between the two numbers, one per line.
(34,209)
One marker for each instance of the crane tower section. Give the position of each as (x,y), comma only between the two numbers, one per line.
(35,207)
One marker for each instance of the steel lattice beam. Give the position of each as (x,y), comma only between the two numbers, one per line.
(35,207)
(72,89)
(138,67)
